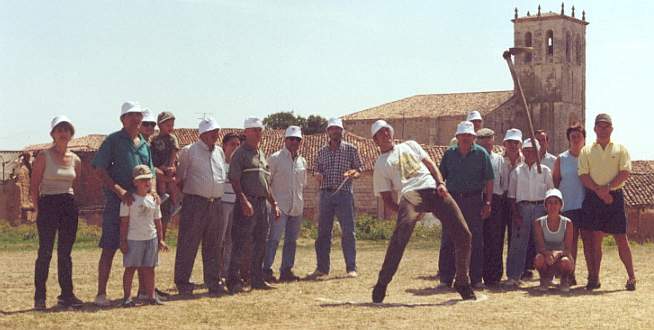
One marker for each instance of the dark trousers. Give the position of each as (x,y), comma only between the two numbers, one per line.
(447,211)
(57,214)
(201,222)
(249,231)
(470,205)
(495,228)
(531,253)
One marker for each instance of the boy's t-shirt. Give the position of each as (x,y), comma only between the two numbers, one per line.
(141,215)
(162,147)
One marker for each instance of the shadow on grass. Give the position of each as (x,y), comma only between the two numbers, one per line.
(429,291)
(435,277)
(335,303)
(574,292)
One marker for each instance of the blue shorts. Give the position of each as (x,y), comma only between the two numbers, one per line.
(110,238)
(141,253)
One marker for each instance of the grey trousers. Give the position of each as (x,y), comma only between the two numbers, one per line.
(447,211)
(245,230)
(201,222)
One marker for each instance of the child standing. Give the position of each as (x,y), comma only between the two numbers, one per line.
(141,236)
(164,157)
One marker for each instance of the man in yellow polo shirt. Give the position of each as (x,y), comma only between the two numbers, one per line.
(604,166)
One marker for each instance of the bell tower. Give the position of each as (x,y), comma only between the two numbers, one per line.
(553,76)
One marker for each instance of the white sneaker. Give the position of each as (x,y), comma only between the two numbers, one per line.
(316,275)
(102,301)
(352,274)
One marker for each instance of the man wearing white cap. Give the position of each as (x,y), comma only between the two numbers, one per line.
(250,177)
(287,181)
(468,175)
(336,165)
(119,153)
(406,170)
(526,193)
(475,118)
(201,174)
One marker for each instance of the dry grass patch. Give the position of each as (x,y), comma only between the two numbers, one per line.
(336,302)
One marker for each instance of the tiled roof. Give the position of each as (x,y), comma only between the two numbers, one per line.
(90,142)
(435,105)
(639,190)
(642,166)
(9,159)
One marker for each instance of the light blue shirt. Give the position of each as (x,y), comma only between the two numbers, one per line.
(571,187)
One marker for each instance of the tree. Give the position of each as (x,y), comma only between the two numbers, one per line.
(281,120)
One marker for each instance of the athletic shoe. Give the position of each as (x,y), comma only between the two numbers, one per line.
(268,276)
(127,302)
(71,301)
(261,285)
(466,292)
(102,301)
(155,301)
(352,274)
(316,275)
(378,293)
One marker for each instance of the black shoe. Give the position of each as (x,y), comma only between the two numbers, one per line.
(527,275)
(593,284)
(71,301)
(378,293)
(268,276)
(288,276)
(39,304)
(261,285)
(234,287)
(217,291)
(161,293)
(631,285)
(466,292)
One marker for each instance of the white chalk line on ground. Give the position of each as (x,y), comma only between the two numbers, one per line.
(333,302)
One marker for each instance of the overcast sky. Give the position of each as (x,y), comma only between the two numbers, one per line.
(231,59)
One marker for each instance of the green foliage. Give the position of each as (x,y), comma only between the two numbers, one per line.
(373,229)
(281,120)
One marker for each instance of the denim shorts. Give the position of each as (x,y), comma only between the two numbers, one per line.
(141,253)
(110,238)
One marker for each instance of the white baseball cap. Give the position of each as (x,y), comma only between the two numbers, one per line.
(473,115)
(293,131)
(554,193)
(376,126)
(527,144)
(130,106)
(465,127)
(148,116)
(513,134)
(207,124)
(253,122)
(58,120)
(335,122)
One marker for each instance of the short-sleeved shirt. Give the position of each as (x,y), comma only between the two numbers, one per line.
(497,161)
(331,164)
(162,147)
(402,170)
(548,160)
(288,179)
(604,164)
(118,156)
(142,213)
(249,165)
(527,185)
(466,173)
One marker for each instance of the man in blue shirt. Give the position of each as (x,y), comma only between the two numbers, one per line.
(468,174)
(119,153)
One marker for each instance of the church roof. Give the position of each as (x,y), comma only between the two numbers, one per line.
(435,105)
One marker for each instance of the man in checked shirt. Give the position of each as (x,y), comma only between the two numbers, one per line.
(336,165)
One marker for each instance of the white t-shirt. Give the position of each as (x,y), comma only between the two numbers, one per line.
(401,170)
(141,215)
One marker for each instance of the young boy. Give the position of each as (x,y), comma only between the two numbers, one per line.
(141,236)
(164,157)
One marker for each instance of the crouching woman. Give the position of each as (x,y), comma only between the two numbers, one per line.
(553,235)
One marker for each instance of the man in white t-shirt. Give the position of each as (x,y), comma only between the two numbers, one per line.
(406,169)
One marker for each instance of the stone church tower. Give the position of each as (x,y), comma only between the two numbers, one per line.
(554,75)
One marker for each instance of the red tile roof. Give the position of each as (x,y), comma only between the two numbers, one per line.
(90,142)
(639,190)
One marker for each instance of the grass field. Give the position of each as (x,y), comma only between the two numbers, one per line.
(337,302)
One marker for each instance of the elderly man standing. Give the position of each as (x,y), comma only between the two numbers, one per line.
(250,177)
(336,165)
(546,158)
(407,170)
(468,174)
(288,179)
(603,169)
(495,225)
(119,153)
(201,174)
(527,187)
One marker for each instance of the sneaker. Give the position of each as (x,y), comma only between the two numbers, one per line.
(268,276)
(155,301)
(288,276)
(378,293)
(261,285)
(39,304)
(316,275)
(631,285)
(71,301)
(127,302)
(466,292)
(352,274)
(102,301)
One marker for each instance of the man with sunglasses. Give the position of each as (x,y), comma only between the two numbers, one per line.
(287,181)
(148,124)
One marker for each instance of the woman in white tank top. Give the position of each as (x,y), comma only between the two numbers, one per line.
(54,171)
(553,235)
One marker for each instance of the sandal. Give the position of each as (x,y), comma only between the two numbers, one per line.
(631,284)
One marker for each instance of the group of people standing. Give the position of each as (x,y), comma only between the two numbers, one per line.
(235,203)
